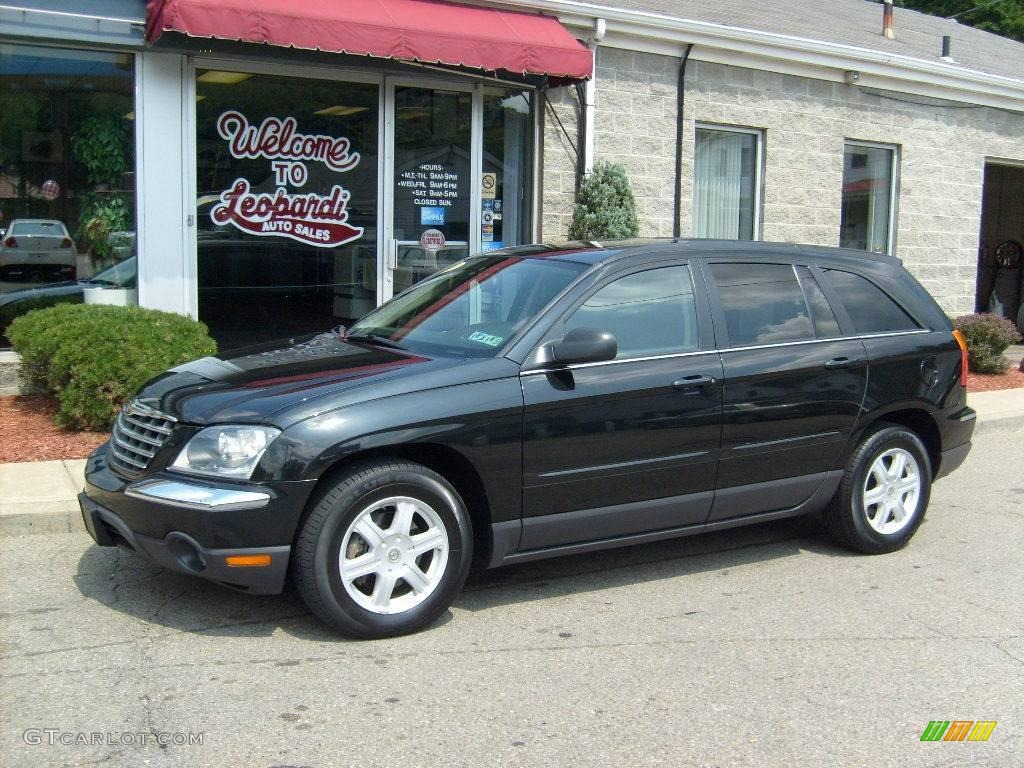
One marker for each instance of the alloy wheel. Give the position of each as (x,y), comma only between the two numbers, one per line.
(892,491)
(393,555)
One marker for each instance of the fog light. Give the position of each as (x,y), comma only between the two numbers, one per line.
(247,561)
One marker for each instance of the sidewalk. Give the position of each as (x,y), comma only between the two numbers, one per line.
(41,496)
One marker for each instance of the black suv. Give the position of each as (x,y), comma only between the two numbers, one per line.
(541,401)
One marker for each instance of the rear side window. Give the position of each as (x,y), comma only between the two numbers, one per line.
(649,313)
(825,324)
(763,303)
(870,309)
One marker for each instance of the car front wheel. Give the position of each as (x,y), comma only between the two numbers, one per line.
(884,492)
(384,550)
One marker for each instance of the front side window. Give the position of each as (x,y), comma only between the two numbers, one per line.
(649,313)
(867,208)
(725,187)
(762,303)
(870,309)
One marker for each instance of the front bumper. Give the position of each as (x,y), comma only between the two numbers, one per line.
(183,525)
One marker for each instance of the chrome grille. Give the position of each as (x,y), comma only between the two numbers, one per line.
(139,433)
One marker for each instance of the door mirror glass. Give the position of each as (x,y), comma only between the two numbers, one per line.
(584,345)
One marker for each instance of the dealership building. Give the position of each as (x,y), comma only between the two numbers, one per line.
(286,169)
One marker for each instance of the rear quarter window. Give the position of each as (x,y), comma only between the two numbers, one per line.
(871,309)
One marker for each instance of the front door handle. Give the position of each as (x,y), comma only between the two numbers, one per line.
(697,380)
(842,362)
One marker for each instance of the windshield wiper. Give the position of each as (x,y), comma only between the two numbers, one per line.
(374,338)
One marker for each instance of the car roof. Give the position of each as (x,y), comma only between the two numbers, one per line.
(36,221)
(600,253)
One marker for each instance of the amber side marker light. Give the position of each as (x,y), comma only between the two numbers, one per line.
(963,356)
(247,561)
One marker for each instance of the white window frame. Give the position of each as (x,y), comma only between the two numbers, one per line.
(759,137)
(894,189)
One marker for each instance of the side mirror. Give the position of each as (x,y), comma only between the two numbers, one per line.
(584,345)
(580,345)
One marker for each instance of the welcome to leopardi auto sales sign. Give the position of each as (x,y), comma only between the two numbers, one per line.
(312,218)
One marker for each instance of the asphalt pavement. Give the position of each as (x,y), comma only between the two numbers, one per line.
(764,646)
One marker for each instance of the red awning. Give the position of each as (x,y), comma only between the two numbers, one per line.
(427,31)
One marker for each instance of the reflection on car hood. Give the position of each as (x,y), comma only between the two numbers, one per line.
(282,384)
(63,288)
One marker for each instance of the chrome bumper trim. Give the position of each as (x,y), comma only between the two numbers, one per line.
(192,496)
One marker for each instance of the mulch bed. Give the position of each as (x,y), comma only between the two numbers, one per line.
(986,382)
(27,432)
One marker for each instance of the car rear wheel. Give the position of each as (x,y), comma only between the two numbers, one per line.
(384,550)
(884,492)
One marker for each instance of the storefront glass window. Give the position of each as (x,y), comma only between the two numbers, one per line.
(287,204)
(508,155)
(867,197)
(67,162)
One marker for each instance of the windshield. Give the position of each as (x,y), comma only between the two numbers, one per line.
(122,275)
(472,308)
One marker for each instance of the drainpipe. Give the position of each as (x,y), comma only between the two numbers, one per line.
(589,100)
(887,28)
(677,213)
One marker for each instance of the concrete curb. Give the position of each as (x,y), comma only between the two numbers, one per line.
(1009,421)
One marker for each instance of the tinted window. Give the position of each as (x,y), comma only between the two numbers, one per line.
(649,313)
(869,307)
(763,303)
(824,319)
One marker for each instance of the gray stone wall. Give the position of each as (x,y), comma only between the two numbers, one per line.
(559,163)
(942,152)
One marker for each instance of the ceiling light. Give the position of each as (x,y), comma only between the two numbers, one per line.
(222,78)
(340,111)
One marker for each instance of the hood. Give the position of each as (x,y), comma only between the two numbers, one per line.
(280,385)
(64,288)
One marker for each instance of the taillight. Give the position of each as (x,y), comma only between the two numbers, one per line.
(963,356)
(10,242)
(67,242)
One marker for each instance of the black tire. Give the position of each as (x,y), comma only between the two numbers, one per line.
(315,560)
(846,517)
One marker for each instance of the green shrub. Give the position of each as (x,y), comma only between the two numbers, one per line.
(94,357)
(987,337)
(605,206)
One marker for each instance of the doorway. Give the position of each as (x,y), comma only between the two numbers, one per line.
(459,175)
(1000,286)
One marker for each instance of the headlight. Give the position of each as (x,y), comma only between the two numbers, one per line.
(225,451)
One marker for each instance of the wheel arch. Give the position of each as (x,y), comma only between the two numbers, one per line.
(917,420)
(452,465)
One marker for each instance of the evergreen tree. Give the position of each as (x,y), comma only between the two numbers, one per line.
(605,206)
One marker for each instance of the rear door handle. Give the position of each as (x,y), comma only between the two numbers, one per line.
(842,362)
(697,380)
